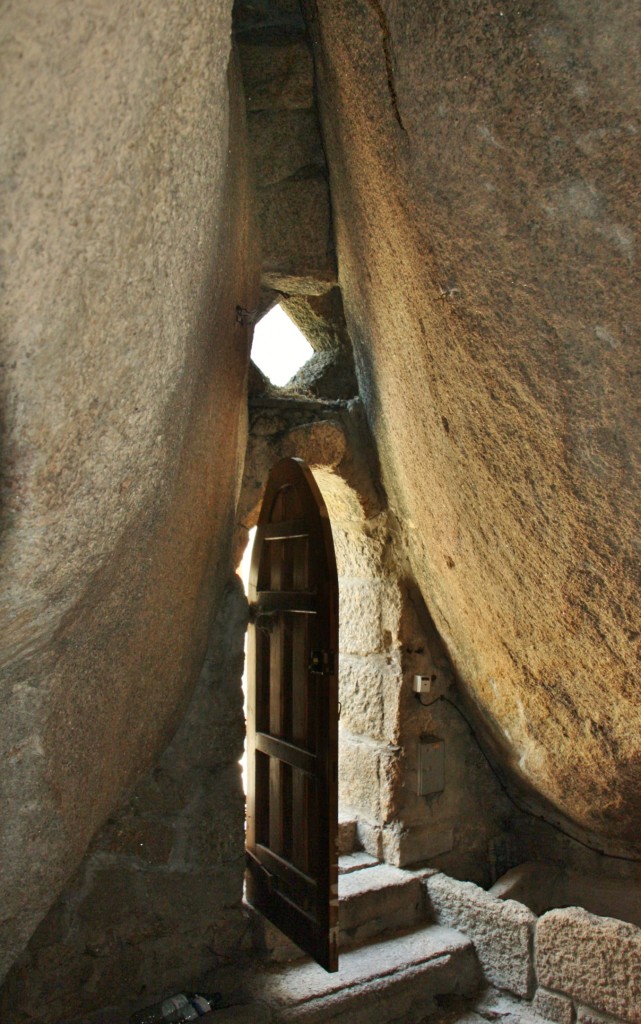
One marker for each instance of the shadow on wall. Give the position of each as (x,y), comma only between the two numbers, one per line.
(157,902)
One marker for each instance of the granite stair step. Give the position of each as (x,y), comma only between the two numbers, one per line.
(378,899)
(384,981)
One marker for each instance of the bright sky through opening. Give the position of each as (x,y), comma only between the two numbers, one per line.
(279,349)
(243,572)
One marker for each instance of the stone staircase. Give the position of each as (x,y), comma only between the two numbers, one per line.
(393,963)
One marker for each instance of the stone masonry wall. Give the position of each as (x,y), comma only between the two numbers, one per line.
(572,965)
(386,636)
(156,904)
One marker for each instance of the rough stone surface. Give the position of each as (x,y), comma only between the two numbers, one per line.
(357,860)
(157,900)
(553,1006)
(484,167)
(595,960)
(492,1005)
(501,930)
(126,245)
(253,1013)
(284,142)
(360,693)
(297,244)
(359,782)
(403,846)
(360,613)
(321,318)
(543,887)
(377,899)
(277,72)
(327,375)
(384,981)
(585,1015)
(537,885)
(346,841)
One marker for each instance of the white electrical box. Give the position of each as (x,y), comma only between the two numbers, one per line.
(423,684)
(431,765)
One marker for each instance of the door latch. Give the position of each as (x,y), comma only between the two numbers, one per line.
(322,663)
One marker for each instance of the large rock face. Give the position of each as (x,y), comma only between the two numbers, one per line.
(126,253)
(484,164)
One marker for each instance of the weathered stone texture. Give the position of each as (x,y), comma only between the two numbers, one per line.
(361,697)
(157,899)
(403,846)
(278,72)
(126,249)
(553,1006)
(321,318)
(586,1015)
(484,167)
(284,142)
(501,930)
(360,616)
(297,243)
(359,779)
(327,375)
(595,960)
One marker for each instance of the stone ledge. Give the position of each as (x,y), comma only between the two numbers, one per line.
(385,981)
(501,930)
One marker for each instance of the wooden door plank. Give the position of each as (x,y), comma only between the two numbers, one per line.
(286,530)
(304,602)
(293,588)
(286,870)
(286,752)
(276,637)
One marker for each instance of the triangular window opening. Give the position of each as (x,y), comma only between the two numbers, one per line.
(279,349)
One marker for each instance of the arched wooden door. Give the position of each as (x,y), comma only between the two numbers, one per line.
(292,720)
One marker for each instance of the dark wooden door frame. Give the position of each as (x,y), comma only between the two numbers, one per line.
(292,719)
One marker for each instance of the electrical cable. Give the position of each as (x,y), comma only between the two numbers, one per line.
(504,789)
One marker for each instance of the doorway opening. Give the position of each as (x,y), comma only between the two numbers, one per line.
(370,671)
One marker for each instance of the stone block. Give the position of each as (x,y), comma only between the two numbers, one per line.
(278,76)
(296,232)
(553,1006)
(382,981)
(404,846)
(357,553)
(376,900)
(501,930)
(356,861)
(346,836)
(359,776)
(321,443)
(283,142)
(360,617)
(595,960)
(370,837)
(361,695)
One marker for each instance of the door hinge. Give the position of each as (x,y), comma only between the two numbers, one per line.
(322,663)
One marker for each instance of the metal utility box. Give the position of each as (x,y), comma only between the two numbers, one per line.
(431,765)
